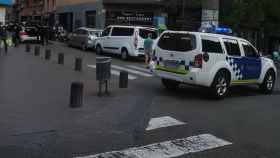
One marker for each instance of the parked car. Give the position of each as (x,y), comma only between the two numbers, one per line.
(84,38)
(127,41)
(28,33)
(211,60)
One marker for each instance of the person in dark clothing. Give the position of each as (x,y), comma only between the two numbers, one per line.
(14,34)
(42,35)
(3,36)
(17,32)
(38,33)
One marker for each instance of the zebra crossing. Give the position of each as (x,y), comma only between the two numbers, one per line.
(170,148)
(134,72)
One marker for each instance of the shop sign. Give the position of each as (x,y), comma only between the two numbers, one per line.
(130,16)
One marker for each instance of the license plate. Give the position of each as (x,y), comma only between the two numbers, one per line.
(171,64)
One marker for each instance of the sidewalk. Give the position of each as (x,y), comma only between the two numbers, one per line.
(35,118)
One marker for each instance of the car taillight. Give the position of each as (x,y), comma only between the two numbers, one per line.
(198,61)
(22,33)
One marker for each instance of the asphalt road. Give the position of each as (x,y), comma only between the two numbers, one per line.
(36,121)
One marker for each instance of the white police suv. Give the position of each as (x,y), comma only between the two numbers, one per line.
(211,60)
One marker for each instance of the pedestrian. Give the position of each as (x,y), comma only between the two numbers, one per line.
(148,48)
(3,36)
(14,34)
(17,31)
(38,32)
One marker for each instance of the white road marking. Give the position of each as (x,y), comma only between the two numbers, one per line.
(139,68)
(132,71)
(114,72)
(162,122)
(168,149)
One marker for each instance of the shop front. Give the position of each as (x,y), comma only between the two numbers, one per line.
(142,14)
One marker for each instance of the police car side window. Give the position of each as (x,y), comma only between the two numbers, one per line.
(232,47)
(211,45)
(249,50)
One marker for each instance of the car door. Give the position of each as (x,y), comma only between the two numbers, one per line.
(120,37)
(252,61)
(234,59)
(104,39)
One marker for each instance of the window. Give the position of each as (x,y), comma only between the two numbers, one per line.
(122,31)
(143,33)
(177,42)
(232,47)
(91,19)
(211,45)
(249,50)
(106,32)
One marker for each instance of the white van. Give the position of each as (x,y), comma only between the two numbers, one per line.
(128,41)
(211,60)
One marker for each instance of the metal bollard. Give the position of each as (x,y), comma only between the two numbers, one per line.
(61,58)
(78,64)
(37,51)
(27,48)
(123,80)
(48,54)
(76,95)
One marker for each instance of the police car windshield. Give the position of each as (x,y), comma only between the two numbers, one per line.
(177,42)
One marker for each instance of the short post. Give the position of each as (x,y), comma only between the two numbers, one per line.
(76,95)
(78,64)
(48,54)
(61,58)
(37,51)
(27,48)
(123,80)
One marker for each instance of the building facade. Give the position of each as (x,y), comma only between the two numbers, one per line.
(177,14)
(72,14)
(5,7)
(31,10)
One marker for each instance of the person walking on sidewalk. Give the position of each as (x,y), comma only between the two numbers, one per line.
(148,48)
(3,37)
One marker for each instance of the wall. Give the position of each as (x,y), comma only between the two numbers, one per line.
(78,10)
(62,3)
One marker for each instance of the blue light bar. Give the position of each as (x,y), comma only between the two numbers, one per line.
(223,30)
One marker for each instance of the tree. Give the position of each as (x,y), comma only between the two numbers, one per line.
(253,13)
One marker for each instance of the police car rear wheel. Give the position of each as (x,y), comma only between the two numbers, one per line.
(220,85)
(170,84)
(268,84)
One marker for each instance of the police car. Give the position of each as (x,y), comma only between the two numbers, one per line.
(211,60)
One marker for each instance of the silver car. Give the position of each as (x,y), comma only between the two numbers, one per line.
(84,38)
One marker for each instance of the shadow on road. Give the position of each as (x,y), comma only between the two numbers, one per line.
(187,92)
